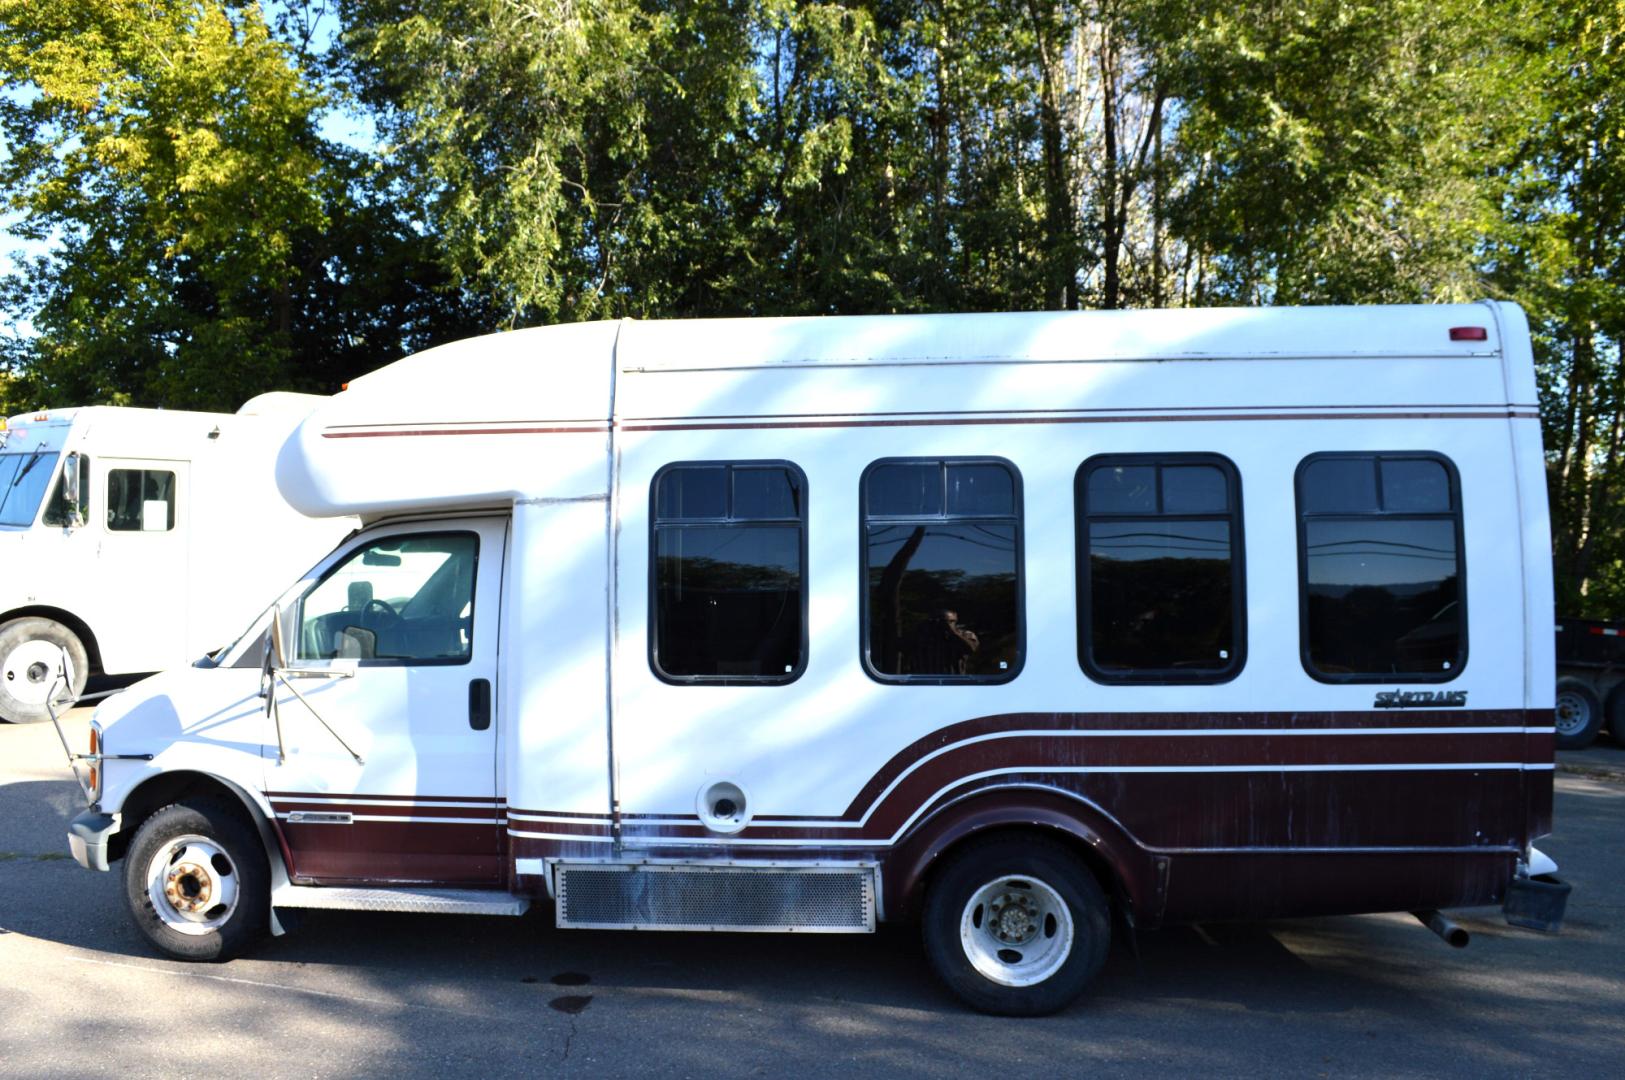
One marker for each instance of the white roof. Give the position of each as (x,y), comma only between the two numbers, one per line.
(355,453)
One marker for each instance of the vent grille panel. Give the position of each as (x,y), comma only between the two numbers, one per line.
(717,898)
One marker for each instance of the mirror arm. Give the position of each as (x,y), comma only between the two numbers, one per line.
(276,669)
(295,691)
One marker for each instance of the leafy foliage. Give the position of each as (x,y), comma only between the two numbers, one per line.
(551,160)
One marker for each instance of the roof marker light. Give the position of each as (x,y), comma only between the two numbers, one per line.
(1469,333)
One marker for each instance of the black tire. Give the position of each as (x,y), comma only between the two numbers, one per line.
(29,661)
(1033,863)
(207,825)
(1579,714)
(1614,713)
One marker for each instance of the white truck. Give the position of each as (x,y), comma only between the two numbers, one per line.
(1021,627)
(140,539)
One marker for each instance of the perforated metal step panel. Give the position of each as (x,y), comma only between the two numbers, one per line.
(405,898)
(652,896)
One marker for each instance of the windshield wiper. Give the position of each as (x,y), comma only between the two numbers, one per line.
(29,464)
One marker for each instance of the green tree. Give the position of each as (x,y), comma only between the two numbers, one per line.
(1334,152)
(205,242)
(1560,251)
(168,149)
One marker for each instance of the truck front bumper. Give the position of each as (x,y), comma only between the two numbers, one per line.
(87,838)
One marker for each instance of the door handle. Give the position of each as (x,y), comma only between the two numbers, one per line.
(479,704)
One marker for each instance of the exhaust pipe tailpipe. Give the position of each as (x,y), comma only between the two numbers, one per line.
(1453,935)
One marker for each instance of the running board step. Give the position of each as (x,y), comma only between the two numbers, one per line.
(406,898)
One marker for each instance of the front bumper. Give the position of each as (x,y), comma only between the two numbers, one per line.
(87,838)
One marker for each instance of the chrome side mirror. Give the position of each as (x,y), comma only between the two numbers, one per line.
(72,471)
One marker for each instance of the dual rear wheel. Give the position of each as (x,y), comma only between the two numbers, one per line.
(1016,926)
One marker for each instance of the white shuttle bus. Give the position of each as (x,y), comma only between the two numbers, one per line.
(1028,628)
(139,539)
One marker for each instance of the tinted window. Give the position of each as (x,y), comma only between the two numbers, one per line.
(1382,574)
(1159,577)
(405,599)
(729,592)
(140,500)
(942,571)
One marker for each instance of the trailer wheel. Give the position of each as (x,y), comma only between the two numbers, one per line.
(1016,927)
(1579,714)
(1615,714)
(30,656)
(197,881)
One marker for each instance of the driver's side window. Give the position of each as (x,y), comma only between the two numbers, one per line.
(401,600)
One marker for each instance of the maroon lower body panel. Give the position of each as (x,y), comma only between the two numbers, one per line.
(1262,885)
(382,839)
(1194,816)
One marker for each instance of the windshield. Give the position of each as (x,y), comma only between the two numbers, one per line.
(23,480)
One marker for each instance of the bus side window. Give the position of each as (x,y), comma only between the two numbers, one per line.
(728,581)
(1381,567)
(942,570)
(140,500)
(1161,597)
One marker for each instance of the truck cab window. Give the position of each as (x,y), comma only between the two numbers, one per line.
(942,570)
(140,500)
(1160,590)
(728,591)
(399,600)
(1381,567)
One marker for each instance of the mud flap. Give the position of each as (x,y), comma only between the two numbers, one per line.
(1537,903)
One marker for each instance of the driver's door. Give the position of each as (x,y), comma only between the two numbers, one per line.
(409,615)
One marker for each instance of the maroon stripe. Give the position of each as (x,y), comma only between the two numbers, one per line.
(532,422)
(483,813)
(359,797)
(1052,412)
(1237,810)
(1154,418)
(1153,722)
(572,828)
(597,429)
(935,421)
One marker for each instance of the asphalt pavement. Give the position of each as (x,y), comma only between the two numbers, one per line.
(350,994)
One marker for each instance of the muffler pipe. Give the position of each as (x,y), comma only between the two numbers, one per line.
(1453,935)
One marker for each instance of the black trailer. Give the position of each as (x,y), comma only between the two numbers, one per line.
(1590,681)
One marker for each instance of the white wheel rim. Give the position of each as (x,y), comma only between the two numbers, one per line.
(1016,930)
(1572,713)
(28,671)
(192,884)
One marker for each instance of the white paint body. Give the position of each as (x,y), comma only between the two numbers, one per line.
(558,431)
(160,597)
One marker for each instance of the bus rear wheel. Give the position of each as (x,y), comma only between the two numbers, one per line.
(31,651)
(1016,926)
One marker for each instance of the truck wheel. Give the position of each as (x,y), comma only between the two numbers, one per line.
(1615,713)
(30,656)
(1016,927)
(197,881)
(1579,714)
